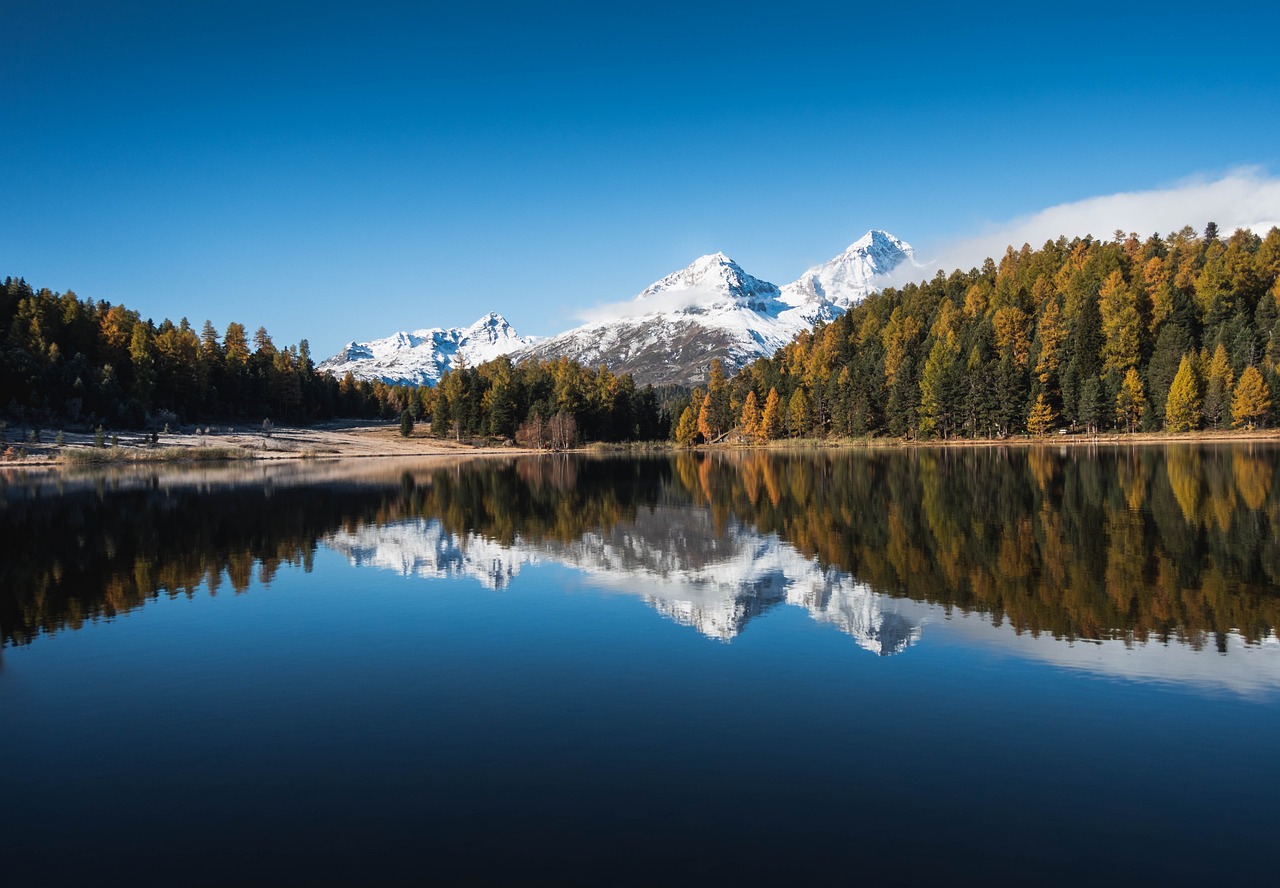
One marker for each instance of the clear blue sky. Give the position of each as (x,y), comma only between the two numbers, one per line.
(342,171)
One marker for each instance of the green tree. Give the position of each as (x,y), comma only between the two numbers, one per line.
(406,423)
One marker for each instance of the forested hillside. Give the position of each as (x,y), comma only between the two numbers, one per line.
(1175,332)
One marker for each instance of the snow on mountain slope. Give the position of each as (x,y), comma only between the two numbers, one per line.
(848,278)
(421,357)
(670,332)
(673,329)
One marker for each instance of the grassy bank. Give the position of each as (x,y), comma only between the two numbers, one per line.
(96,456)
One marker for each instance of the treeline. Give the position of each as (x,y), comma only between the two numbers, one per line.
(536,403)
(1176,332)
(73,360)
(64,359)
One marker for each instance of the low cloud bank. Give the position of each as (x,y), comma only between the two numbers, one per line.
(1243,198)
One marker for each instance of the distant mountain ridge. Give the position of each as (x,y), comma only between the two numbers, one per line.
(421,357)
(668,333)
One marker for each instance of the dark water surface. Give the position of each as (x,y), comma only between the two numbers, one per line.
(1017,665)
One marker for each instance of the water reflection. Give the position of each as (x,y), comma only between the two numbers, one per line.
(672,557)
(1174,545)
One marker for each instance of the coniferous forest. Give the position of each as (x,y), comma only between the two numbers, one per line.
(1175,332)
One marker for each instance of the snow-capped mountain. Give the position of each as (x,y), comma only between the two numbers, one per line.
(421,357)
(672,558)
(713,309)
(847,279)
(670,332)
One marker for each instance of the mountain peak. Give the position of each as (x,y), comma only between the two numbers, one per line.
(708,279)
(848,278)
(421,357)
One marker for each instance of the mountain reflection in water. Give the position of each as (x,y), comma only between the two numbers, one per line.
(1128,545)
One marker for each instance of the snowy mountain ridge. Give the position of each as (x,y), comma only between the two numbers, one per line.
(421,357)
(669,332)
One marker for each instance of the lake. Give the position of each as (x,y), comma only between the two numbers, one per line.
(1012,664)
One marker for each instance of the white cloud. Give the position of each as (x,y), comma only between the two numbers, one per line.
(1243,198)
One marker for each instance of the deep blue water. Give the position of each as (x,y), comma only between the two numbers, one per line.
(369,714)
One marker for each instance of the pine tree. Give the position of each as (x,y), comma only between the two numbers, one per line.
(939,386)
(406,423)
(1251,403)
(1182,408)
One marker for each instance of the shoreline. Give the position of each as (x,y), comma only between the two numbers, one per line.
(363,440)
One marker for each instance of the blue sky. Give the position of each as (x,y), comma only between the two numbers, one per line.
(341,171)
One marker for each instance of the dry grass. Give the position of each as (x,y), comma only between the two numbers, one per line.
(112,455)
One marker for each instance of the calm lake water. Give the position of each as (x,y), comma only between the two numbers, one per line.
(1017,665)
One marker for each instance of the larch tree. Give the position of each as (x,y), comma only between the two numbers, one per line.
(1121,324)
(1041,418)
(1251,402)
(750,421)
(771,418)
(1218,384)
(1182,407)
(1131,401)
(687,428)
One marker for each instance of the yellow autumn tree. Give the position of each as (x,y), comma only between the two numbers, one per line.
(687,428)
(1042,417)
(1120,324)
(1131,400)
(706,423)
(1218,384)
(1251,402)
(750,421)
(771,418)
(1052,333)
(1182,407)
